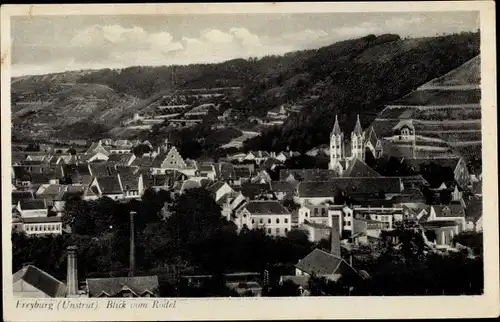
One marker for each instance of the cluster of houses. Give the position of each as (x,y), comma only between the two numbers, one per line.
(360,200)
(349,201)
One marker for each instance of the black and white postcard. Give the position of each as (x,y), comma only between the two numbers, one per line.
(249,161)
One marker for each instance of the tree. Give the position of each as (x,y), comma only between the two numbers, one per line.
(195,217)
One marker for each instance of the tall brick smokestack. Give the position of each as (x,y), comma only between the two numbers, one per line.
(72,272)
(335,237)
(132,245)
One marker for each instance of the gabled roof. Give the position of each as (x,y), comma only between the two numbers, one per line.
(250,190)
(130,181)
(127,170)
(357,128)
(40,280)
(372,137)
(321,263)
(100,169)
(358,168)
(266,207)
(33,204)
(120,158)
(158,160)
(336,128)
(283,186)
(113,285)
(144,161)
(97,147)
(109,185)
(452,210)
(404,123)
(269,163)
(50,191)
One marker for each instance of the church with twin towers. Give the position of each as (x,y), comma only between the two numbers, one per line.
(343,152)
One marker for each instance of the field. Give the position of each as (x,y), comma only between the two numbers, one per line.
(440,97)
(446,109)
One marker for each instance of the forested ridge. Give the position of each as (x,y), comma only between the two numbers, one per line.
(347,78)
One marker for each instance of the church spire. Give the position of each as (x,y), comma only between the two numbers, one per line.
(357,128)
(336,127)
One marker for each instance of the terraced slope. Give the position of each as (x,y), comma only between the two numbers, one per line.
(445,113)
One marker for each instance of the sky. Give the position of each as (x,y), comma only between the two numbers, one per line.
(47,44)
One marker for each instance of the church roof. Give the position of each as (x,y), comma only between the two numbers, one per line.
(357,128)
(336,128)
(372,137)
(358,168)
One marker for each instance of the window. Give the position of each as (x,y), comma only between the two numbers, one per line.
(348,223)
(286,220)
(277,220)
(286,230)
(261,220)
(269,221)
(253,221)
(323,212)
(269,230)
(315,211)
(277,230)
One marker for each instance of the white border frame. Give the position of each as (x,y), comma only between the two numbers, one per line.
(486,305)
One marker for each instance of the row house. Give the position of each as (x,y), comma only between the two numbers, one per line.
(118,186)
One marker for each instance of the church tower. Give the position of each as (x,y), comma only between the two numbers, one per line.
(357,141)
(336,144)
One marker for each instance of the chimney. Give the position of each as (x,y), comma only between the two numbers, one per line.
(132,245)
(335,238)
(72,273)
